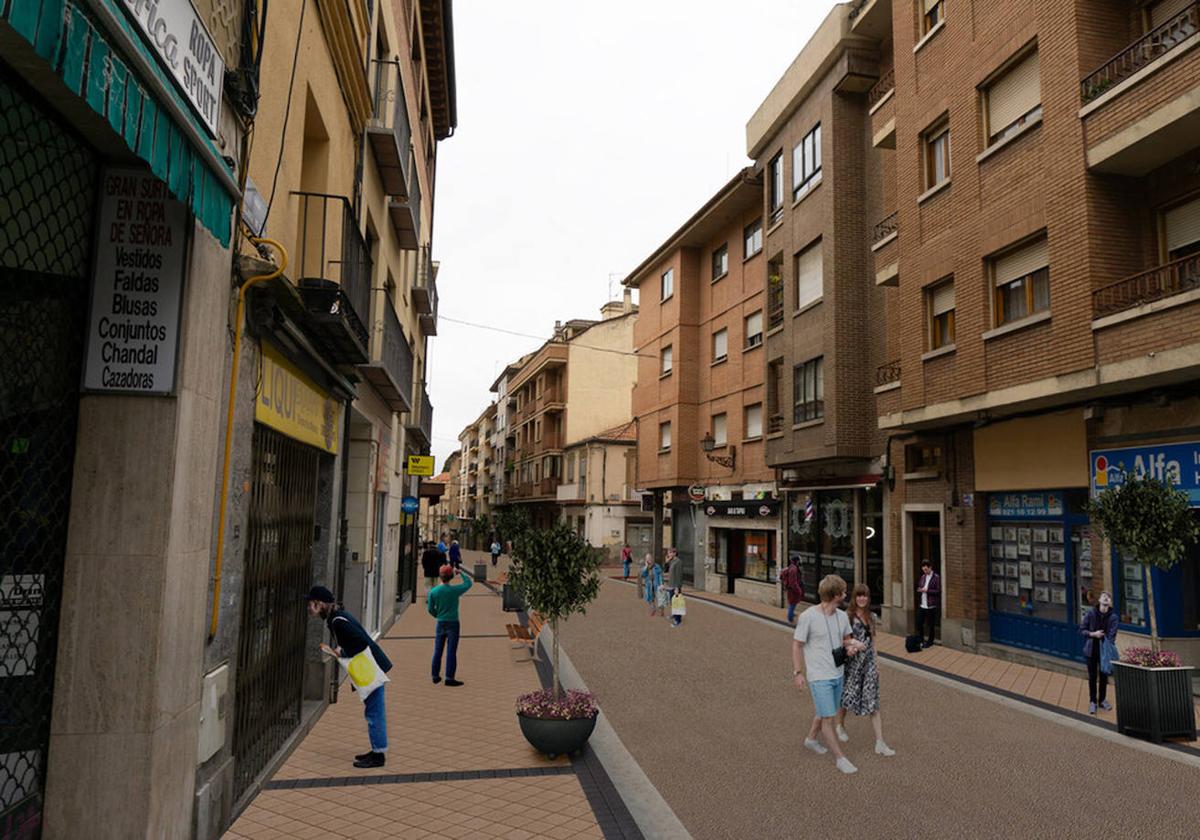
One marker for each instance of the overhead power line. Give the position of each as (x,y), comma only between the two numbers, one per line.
(491,328)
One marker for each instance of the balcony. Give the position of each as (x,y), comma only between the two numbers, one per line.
(406,212)
(872,19)
(570,493)
(420,419)
(391,368)
(774,302)
(774,424)
(882,105)
(887,373)
(886,248)
(1157,284)
(388,132)
(333,267)
(425,298)
(1133,135)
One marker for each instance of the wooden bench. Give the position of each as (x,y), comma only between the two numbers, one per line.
(527,636)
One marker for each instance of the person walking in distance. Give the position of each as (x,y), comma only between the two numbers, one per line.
(821,644)
(455,555)
(495,551)
(442,604)
(431,563)
(351,639)
(626,560)
(861,694)
(651,576)
(929,587)
(793,588)
(674,579)
(1098,626)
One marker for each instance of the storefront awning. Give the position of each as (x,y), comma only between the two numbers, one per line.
(121,80)
(843,482)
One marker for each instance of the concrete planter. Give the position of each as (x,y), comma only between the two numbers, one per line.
(1155,703)
(556,737)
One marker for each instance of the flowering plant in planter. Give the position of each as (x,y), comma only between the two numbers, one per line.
(572,705)
(1150,658)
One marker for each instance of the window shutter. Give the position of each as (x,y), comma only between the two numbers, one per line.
(754,421)
(1183,225)
(1014,94)
(754,324)
(720,344)
(719,430)
(1162,12)
(1022,261)
(810,278)
(942,298)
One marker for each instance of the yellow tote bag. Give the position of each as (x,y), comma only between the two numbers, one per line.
(364,672)
(678,605)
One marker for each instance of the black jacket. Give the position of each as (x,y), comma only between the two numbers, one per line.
(431,562)
(353,638)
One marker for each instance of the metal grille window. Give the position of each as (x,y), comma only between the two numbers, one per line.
(47,192)
(270,666)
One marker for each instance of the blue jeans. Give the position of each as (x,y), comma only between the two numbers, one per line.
(792,612)
(376,720)
(446,639)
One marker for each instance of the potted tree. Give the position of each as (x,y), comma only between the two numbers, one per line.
(558,574)
(511,523)
(1148,521)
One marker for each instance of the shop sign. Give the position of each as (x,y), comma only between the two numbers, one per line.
(420,465)
(696,493)
(291,403)
(174,31)
(133,331)
(745,509)
(1175,463)
(1032,505)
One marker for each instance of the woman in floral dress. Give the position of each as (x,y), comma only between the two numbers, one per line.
(861,694)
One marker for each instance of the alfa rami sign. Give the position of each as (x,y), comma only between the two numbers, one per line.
(1175,463)
(176,34)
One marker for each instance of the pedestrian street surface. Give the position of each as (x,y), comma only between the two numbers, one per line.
(710,713)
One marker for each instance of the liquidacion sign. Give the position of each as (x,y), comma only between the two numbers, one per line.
(1177,464)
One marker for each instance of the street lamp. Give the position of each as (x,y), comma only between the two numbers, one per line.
(708,443)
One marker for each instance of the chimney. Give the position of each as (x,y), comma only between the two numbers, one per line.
(627,301)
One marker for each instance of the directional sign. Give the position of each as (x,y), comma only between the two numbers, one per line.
(409,504)
(420,465)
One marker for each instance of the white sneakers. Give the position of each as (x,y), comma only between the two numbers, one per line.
(841,733)
(883,749)
(815,745)
(845,766)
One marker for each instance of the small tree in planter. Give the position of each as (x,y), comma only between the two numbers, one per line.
(558,574)
(1149,521)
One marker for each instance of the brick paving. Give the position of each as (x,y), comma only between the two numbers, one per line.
(468,735)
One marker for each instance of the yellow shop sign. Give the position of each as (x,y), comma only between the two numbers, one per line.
(290,402)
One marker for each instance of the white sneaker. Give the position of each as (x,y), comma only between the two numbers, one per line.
(841,733)
(883,749)
(845,766)
(815,745)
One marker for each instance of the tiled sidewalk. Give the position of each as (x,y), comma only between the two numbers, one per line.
(457,766)
(1065,693)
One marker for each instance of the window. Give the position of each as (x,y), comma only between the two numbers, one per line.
(808,390)
(775,188)
(1014,100)
(923,457)
(1022,278)
(775,395)
(720,430)
(1181,227)
(775,292)
(753,421)
(754,331)
(668,283)
(810,284)
(571,467)
(937,154)
(720,262)
(941,315)
(752,239)
(666,360)
(806,164)
(933,12)
(720,345)
(583,459)
(537,430)
(664,435)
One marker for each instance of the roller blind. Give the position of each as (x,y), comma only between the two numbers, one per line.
(754,421)
(754,324)
(809,276)
(720,344)
(942,298)
(1162,12)
(1014,94)
(719,429)
(1024,260)
(1183,225)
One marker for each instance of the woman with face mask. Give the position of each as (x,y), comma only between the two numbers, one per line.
(1098,625)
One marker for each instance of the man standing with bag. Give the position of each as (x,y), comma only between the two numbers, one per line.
(675,580)
(352,639)
(929,587)
(442,604)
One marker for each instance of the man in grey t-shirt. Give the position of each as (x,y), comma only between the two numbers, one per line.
(819,631)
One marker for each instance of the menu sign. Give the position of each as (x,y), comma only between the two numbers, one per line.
(174,31)
(133,333)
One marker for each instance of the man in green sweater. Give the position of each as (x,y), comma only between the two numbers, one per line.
(442,603)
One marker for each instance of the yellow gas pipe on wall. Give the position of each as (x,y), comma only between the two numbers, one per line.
(233,381)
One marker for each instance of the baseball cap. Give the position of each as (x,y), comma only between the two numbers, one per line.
(320,593)
(446,570)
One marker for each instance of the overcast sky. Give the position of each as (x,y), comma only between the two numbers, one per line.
(587,134)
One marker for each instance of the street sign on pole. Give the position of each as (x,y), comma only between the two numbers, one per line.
(420,465)
(410,504)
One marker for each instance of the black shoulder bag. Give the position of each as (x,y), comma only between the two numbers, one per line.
(839,652)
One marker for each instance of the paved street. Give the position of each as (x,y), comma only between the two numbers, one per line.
(709,712)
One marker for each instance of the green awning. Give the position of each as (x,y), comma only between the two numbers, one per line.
(78,50)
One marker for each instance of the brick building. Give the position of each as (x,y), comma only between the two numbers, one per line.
(1040,240)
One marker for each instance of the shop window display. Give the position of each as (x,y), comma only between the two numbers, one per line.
(821,536)
(1028,566)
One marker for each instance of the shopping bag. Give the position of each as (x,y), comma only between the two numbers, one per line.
(1108,655)
(662,597)
(678,605)
(364,672)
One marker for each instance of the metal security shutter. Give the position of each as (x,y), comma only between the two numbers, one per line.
(942,298)
(1183,225)
(1161,13)
(810,283)
(1014,94)
(1022,261)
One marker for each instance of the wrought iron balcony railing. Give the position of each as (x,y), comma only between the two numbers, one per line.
(1175,277)
(1157,42)
(389,132)
(887,373)
(880,89)
(391,367)
(886,228)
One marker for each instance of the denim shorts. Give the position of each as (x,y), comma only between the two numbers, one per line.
(827,696)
